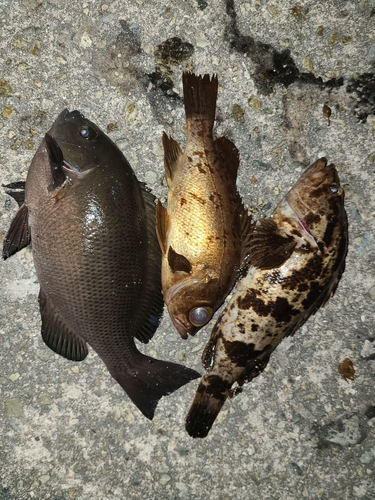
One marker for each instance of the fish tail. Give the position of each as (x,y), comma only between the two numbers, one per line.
(211,394)
(200,94)
(150,380)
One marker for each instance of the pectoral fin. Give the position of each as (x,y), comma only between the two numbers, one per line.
(57,335)
(269,248)
(178,262)
(18,235)
(56,162)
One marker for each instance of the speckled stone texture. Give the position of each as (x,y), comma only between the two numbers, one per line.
(296,83)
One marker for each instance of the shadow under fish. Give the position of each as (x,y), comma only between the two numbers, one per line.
(96,255)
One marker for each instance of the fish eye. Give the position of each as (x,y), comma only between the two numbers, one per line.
(199,316)
(87,132)
(335,189)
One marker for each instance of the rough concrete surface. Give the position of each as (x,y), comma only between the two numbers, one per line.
(299,430)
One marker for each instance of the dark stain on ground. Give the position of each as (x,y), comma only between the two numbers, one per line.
(271,66)
(364,89)
(162,97)
(168,54)
(115,63)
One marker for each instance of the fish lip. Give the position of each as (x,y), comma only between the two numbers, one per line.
(182,329)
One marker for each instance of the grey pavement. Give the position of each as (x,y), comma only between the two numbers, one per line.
(296,83)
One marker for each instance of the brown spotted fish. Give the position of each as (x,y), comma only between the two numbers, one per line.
(96,255)
(200,233)
(296,260)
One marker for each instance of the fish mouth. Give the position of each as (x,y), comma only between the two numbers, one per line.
(182,329)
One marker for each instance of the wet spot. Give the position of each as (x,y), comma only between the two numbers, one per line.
(162,96)
(115,62)
(363,88)
(271,66)
(169,53)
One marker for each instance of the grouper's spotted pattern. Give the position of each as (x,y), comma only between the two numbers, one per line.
(296,260)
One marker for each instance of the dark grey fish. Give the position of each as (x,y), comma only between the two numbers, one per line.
(297,258)
(92,227)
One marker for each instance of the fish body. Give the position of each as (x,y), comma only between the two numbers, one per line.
(96,255)
(296,260)
(200,233)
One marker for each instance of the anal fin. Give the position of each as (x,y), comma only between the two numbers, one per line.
(57,335)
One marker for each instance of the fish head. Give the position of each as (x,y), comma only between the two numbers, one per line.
(80,141)
(317,199)
(189,304)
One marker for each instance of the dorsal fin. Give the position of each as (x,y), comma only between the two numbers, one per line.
(178,262)
(151,307)
(172,153)
(56,161)
(269,248)
(162,224)
(229,154)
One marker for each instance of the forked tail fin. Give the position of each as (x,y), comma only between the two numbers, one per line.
(211,394)
(150,380)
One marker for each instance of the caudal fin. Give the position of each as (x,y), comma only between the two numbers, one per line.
(150,380)
(211,394)
(200,94)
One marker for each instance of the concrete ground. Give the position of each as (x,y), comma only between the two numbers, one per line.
(299,430)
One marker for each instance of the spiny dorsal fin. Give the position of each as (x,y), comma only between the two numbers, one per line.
(151,308)
(162,224)
(200,94)
(172,153)
(229,154)
(269,248)
(178,262)
(57,335)
(18,235)
(56,161)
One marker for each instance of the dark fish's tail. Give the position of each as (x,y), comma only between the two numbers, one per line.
(150,380)
(200,94)
(211,394)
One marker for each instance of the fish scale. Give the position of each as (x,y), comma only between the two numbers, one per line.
(296,261)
